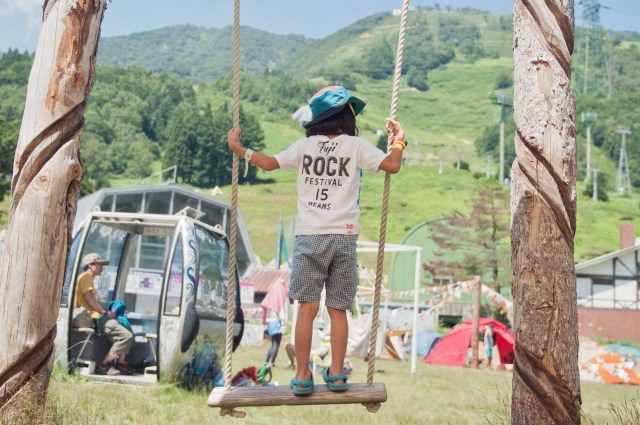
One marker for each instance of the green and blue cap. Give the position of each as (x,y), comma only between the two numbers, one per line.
(330,101)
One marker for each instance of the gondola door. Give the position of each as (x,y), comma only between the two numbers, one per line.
(179,322)
(198,336)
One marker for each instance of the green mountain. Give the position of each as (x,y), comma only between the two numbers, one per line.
(197,54)
(203,55)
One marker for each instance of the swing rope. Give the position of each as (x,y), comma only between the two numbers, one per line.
(385,202)
(231,293)
(372,407)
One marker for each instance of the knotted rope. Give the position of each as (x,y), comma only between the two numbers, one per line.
(231,293)
(385,202)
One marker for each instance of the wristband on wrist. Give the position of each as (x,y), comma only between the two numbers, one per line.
(247,159)
(397,143)
(395,139)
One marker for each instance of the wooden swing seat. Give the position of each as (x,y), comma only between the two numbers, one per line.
(282,396)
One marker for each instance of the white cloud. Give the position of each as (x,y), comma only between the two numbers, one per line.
(31,10)
(20,21)
(20,4)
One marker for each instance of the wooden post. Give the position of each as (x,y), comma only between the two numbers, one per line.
(44,190)
(546,384)
(475,322)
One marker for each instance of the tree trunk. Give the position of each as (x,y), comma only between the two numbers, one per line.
(46,180)
(546,385)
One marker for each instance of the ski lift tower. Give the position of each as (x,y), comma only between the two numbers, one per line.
(504,100)
(489,161)
(591,18)
(623,182)
(458,157)
(596,170)
(588,118)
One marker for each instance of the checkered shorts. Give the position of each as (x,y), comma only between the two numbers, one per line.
(325,261)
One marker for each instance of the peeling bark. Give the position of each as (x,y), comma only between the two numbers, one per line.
(44,190)
(546,384)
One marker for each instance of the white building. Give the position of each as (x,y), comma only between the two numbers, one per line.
(607,291)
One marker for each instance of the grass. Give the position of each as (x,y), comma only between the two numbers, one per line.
(436,395)
(440,122)
(418,194)
(413,199)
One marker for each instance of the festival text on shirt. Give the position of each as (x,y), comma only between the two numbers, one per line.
(324,171)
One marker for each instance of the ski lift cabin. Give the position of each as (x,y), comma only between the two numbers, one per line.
(172,273)
(168,198)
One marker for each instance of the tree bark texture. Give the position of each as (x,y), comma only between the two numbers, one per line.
(46,180)
(546,385)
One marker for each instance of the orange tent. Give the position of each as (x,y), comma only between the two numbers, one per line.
(610,369)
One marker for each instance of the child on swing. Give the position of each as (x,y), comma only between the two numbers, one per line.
(329,161)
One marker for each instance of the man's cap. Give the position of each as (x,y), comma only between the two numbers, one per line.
(330,101)
(93,258)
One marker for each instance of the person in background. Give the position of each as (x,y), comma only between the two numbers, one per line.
(274,316)
(329,161)
(291,353)
(114,363)
(275,328)
(489,342)
(320,341)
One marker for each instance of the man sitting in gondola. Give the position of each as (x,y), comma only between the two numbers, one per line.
(114,363)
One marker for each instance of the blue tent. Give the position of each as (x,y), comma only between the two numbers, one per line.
(426,340)
(623,349)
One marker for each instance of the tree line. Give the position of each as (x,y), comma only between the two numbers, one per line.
(136,119)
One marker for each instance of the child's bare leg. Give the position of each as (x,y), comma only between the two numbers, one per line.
(339,339)
(304,329)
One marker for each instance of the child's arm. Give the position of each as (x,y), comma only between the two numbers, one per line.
(391,164)
(267,163)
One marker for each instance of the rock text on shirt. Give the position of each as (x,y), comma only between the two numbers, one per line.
(324,171)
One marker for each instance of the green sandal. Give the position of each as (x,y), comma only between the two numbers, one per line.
(331,379)
(302,387)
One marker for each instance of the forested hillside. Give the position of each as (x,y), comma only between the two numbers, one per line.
(166,101)
(198,54)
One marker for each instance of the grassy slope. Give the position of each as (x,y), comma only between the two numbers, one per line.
(440,122)
(447,117)
(436,395)
(418,194)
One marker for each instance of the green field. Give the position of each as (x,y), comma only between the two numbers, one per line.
(418,193)
(444,121)
(435,395)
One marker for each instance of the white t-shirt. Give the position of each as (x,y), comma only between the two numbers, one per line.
(329,181)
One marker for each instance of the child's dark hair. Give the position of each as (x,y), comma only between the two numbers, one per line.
(344,122)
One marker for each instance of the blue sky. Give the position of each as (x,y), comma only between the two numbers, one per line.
(20,19)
